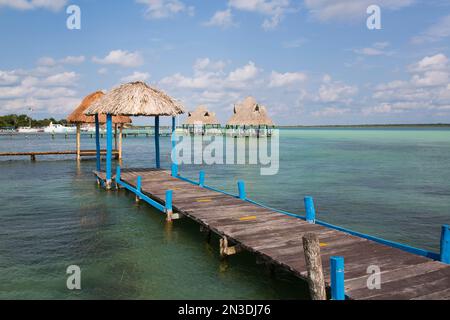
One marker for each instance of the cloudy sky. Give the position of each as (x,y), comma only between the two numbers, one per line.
(309,61)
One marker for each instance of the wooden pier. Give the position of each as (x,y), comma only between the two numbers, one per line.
(33,155)
(277,238)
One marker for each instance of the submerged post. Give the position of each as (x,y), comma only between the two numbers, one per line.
(201,179)
(337,278)
(445,244)
(310,210)
(109,141)
(118,174)
(169,209)
(97,142)
(241,188)
(311,247)
(158,164)
(173,154)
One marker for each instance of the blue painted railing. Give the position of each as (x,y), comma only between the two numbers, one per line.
(311,213)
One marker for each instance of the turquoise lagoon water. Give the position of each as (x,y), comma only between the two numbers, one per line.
(389,183)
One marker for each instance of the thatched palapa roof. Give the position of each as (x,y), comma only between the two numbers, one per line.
(250,113)
(78,116)
(201,116)
(136,99)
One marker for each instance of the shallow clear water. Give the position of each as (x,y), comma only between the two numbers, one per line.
(389,183)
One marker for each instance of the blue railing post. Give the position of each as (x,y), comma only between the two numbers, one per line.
(169,209)
(310,210)
(158,163)
(138,187)
(337,278)
(174,170)
(118,174)
(97,142)
(241,188)
(201,179)
(445,244)
(174,146)
(109,141)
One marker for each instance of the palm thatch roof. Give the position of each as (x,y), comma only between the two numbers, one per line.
(136,99)
(78,116)
(201,116)
(250,113)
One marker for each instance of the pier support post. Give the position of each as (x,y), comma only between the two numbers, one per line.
(120,141)
(169,209)
(118,177)
(97,142)
(241,188)
(109,138)
(138,187)
(201,179)
(310,210)
(445,244)
(226,250)
(78,141)
(316,282)
(158,163)
(337,278)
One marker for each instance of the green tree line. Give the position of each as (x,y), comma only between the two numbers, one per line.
(16,121)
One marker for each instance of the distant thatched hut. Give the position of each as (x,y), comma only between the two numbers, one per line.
(201,120)
(250,118)
(79,118)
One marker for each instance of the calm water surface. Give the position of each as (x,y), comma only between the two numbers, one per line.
(389,183)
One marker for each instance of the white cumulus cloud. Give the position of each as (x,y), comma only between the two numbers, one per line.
(122,58)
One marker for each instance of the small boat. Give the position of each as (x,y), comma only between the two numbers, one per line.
(91,129)
(59,128)
(27,130)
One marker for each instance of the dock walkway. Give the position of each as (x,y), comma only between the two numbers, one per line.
(277,238)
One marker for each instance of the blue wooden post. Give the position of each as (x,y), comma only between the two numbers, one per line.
(201,179)
(241,188)
(138,184)
(109,141)
(174,145)
(158,163)
(168,207)
(337,278)
(118,174)
(138,187)
(97,142)
(445,244)
(310,210)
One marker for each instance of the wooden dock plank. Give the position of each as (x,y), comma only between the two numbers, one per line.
(277,238)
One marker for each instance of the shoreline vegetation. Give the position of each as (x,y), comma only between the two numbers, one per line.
(15,121)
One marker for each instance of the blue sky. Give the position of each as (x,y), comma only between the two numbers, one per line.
(309,62)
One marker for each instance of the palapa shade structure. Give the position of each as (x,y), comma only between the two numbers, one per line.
(78,117)
(250,114)
(132,99)
(136,99)
(202,117)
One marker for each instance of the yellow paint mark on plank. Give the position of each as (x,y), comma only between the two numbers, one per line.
(249,218)
(322,244)
(203,200)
